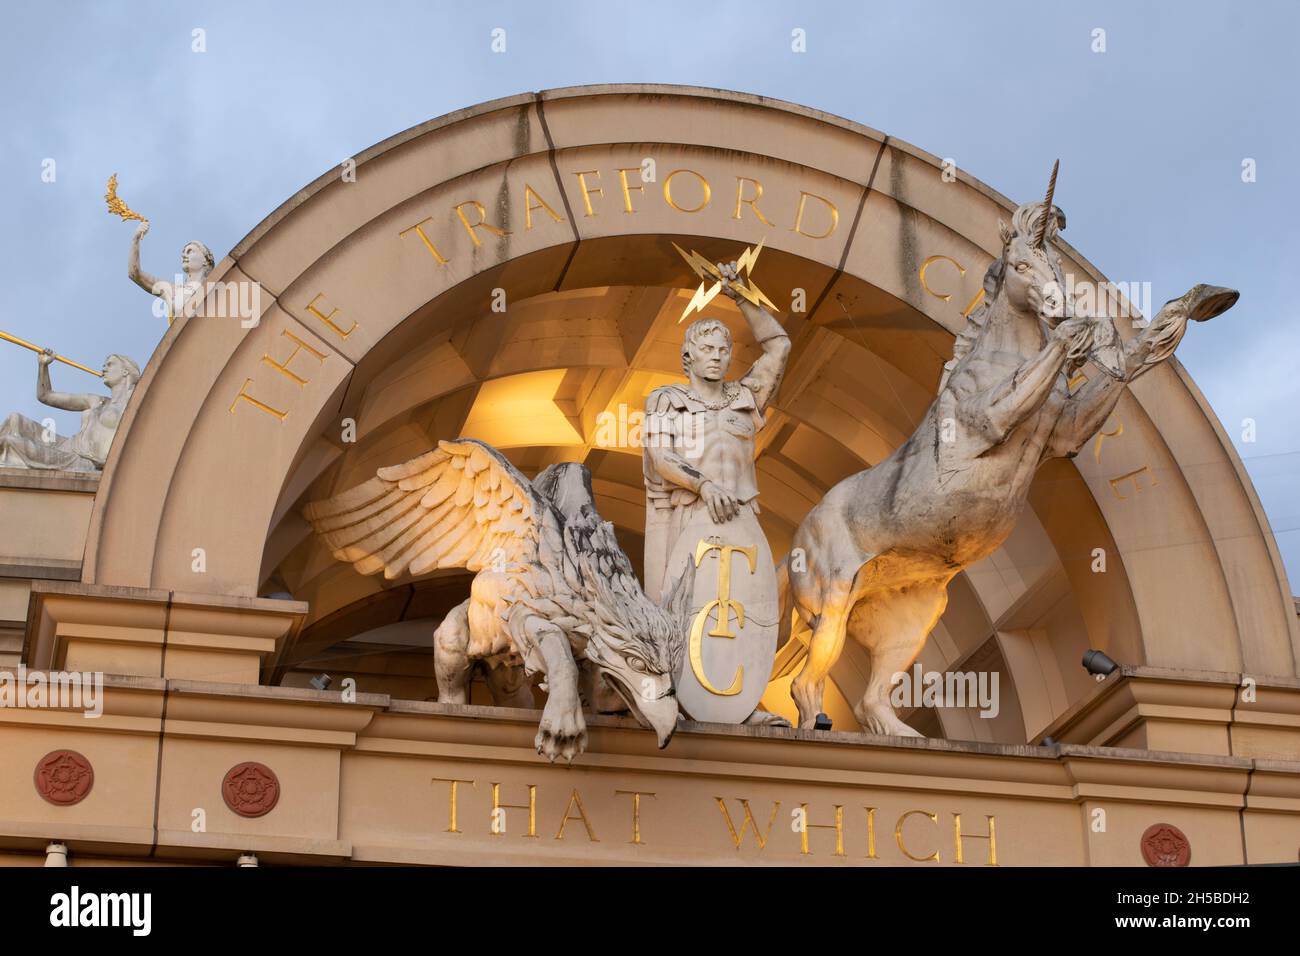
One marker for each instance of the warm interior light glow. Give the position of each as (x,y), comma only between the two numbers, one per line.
(520,410)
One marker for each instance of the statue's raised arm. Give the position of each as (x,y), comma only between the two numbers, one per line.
(46,395)
(196,265)
(150,283)
(764,376)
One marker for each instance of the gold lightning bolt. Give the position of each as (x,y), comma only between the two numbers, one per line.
(706,270)
(700,299)
(755,295)
(701,266)
(747,258)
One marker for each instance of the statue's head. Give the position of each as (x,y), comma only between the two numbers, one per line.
(1029,271)
(196,259)
(119,368)
(706,350)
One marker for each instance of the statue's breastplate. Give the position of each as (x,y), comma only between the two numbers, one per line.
(720,444)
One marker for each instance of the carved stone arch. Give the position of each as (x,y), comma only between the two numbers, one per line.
(230,426)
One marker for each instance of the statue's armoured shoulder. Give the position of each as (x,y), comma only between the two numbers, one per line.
(666,398)
(744,397)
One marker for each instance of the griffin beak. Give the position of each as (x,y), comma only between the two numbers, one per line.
(661,715)
(658,714)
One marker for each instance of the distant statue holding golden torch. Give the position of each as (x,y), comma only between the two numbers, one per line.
(196,262)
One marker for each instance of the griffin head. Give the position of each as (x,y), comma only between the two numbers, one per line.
(640,670)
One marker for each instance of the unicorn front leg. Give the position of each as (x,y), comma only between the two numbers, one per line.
(994,412)
(1082,415)
(1155,343)
(1087,411)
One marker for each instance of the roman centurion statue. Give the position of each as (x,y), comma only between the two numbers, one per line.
(699,437)
(701,509)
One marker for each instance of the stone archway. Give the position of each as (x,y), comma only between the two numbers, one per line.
(542,196)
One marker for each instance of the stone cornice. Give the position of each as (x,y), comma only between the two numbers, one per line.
(76,481)
(338,757)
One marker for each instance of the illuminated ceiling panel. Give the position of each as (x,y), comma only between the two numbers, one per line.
(521,410)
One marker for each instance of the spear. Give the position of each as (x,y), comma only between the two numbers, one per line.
(36,348)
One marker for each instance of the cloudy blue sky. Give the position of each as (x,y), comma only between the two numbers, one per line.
(1152,134)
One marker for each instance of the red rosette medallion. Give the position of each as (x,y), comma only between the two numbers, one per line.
(1163,844)
(63,777)
(251,789)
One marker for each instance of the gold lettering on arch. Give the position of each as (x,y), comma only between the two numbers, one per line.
(482,221)
(329,319)
(752,201)
(931,260)
(588,190)
(243,393)
(798,216)
(418,229)
(636,796)
(1102,436)
(1133,477)
(451,823)
(668,190)
(973,302)
(529,195)
(622,180)
(991,836)
(299,346)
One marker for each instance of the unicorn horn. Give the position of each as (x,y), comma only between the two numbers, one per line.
(1040,234)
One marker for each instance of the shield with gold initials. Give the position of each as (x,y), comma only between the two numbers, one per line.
(731,642)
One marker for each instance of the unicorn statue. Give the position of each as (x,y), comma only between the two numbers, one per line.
(883,544)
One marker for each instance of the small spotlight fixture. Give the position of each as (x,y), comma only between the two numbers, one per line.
(322,681)
(1098,664)
(822,722)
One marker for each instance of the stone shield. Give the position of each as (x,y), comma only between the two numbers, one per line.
(731,642)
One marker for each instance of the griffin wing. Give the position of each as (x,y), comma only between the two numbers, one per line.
(451,508)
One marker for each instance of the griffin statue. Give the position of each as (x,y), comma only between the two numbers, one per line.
(551,584)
